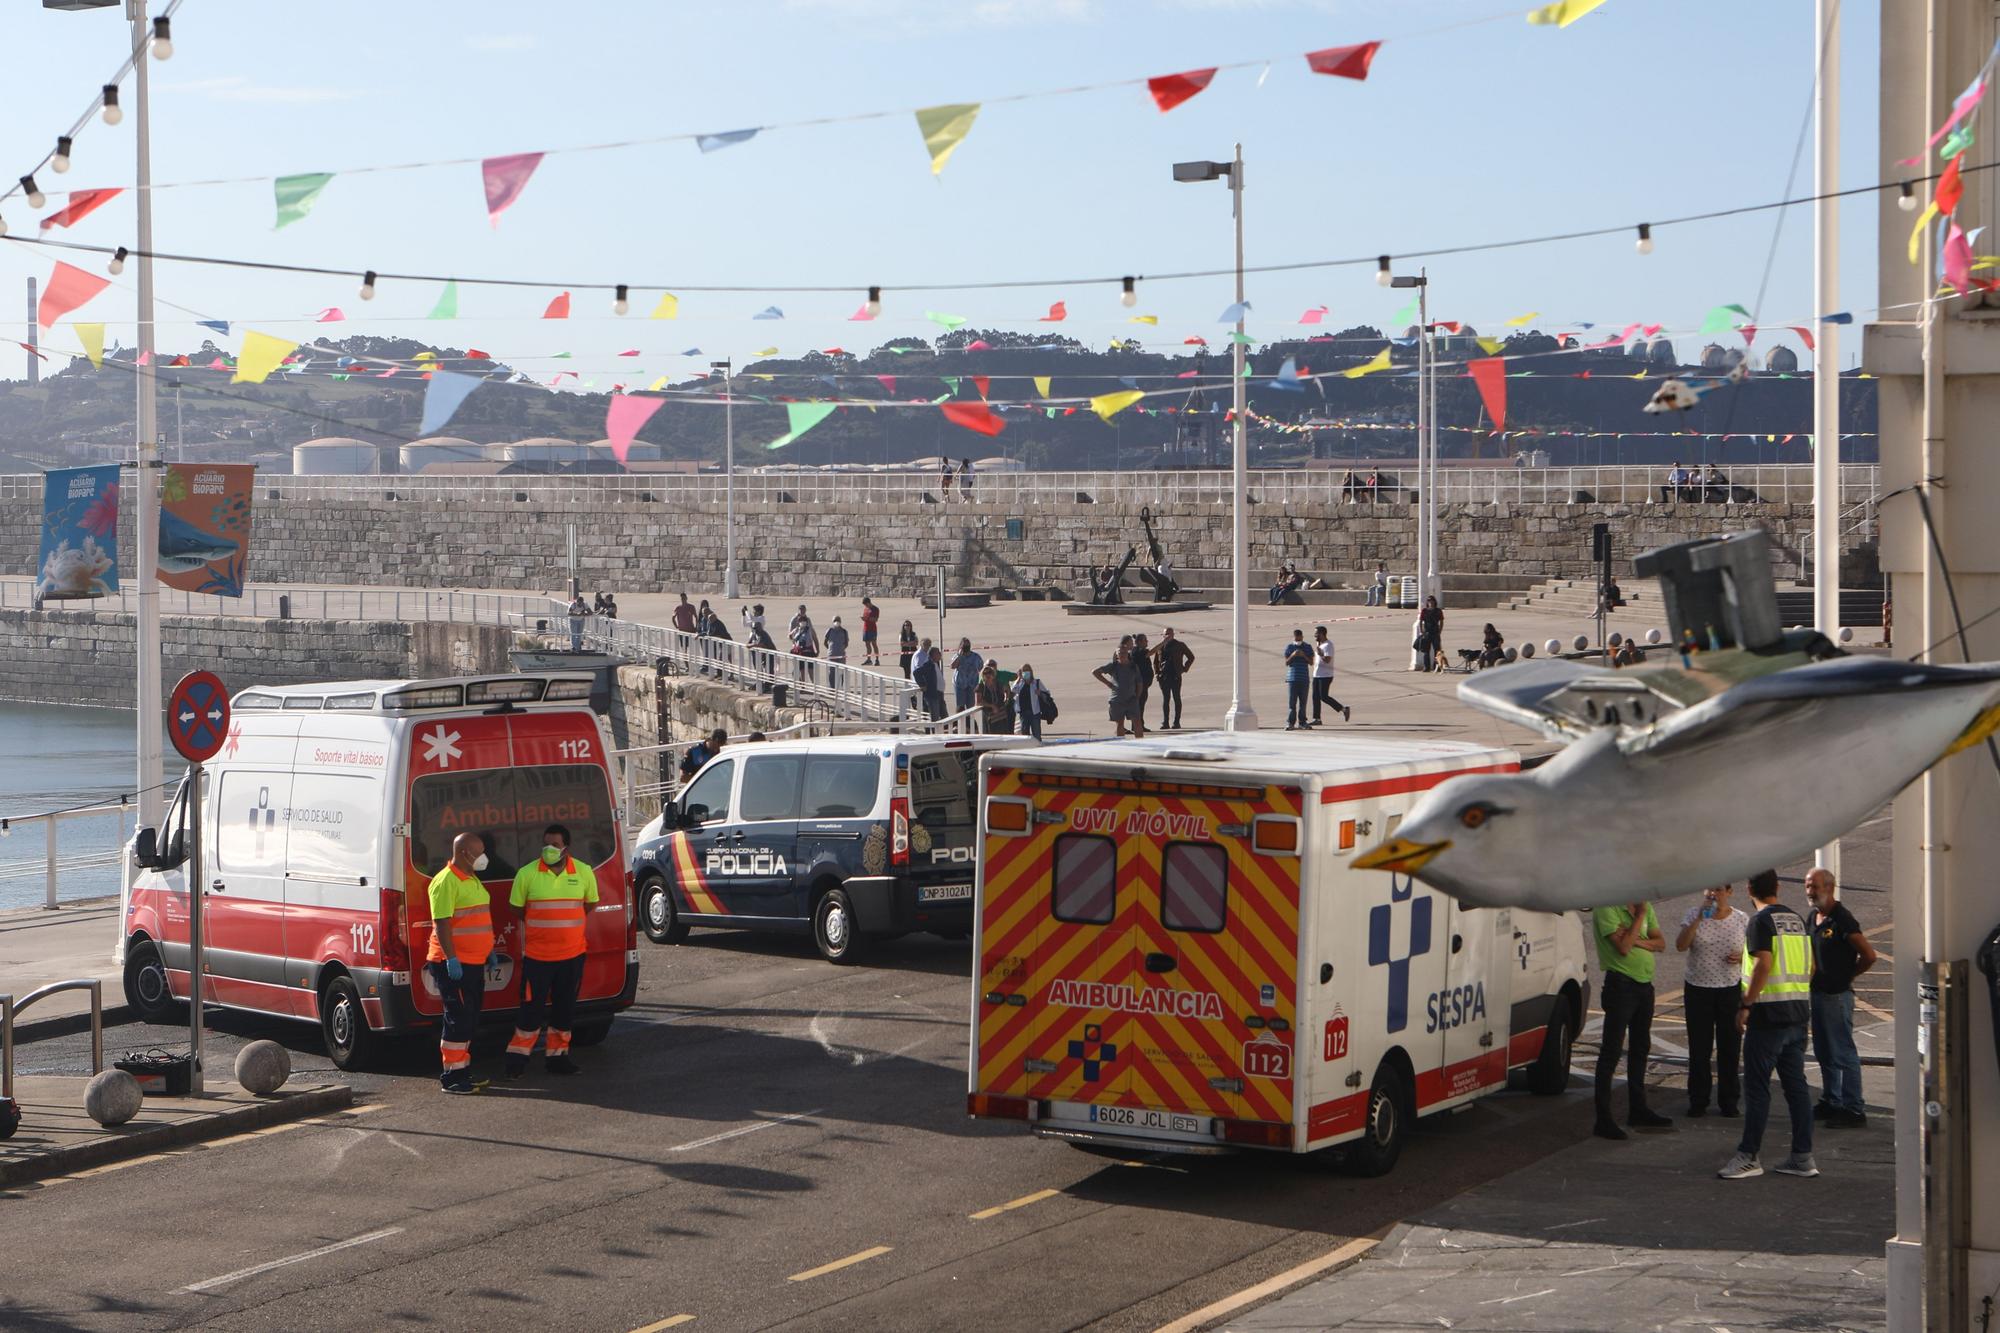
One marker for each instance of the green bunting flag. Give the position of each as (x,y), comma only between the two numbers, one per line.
(297,195)
(802,417)
(447,302)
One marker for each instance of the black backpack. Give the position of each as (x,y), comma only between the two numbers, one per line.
(926,675)
(1049,709)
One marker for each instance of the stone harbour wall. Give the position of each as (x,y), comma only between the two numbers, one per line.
(651,708)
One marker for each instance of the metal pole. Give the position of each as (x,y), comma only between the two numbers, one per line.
(1428,387)
(1423,439)
(1942,1000)
(1240,716)
(51,846)
(730,588)
(146,500)
(1826,356)
(196,889)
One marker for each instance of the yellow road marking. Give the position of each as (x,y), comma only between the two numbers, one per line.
(671,1321)
(1271,1286)
(1021,1202)
(873,1252)
(1884,1015)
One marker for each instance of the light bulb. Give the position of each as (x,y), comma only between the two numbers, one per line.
(1130,296)
(1383,275)
(621,304)
(873,306)
(368,286)
(1907,200)
(113,113)
(35,196)
(117,264)
(60,162)
(163,39)
(1645,242)
(3,226)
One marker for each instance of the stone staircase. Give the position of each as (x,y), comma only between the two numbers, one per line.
(1578,598)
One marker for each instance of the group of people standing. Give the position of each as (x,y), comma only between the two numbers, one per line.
(1310,664)
(1758,985)
(1132,673)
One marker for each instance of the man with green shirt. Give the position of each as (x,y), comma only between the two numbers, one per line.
(1627,938)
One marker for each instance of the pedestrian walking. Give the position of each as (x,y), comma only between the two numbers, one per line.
(965,480)
(1322,648)
(1433,619)
(579,611)
(993,701)
(871,628)
(1142,657)
(1170,663)
(1627,938)
(1030,697)
(1298,671)
(684,616)
(906,647)
(1121,676)
(805,642)
(1378,591)
(1841,952)
(1773,1017)
(461,940)
(1712,938)
(965,665)
(927,672)
(945,477)
(554,895)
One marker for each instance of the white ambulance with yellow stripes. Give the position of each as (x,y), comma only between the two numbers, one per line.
(1175,950)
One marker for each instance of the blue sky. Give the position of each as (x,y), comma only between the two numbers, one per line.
(1486,131)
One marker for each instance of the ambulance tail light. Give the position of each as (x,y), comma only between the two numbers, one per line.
(987,1105)
(1256,1133)
(392,932)
(899,830)
(1008,815)
(1275,835)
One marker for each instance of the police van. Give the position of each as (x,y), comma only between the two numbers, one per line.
(1175,951)
(850,837)
(323,820)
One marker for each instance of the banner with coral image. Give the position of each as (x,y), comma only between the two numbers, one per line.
(79,533)
(205,526)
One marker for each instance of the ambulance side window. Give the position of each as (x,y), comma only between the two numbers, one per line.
(706,800)
(1082,878)
(1194,886)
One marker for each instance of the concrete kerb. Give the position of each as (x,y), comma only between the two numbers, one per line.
(68,1025)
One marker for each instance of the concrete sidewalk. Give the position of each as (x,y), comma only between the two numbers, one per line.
(1636,1235)
(38,946)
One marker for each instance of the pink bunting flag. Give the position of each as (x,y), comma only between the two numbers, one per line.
(383,375)
(558,308)
(1057,314)
(331,315)
(633,351)
(1958,257)
(1349,62)
(1489,374)
(1314,315)
(861,313)
(1651,329)
(978,345)
(888,382)
(623,418)
(505,178)
(218,364)
(1170,90)
(67,288)
(82,203)
(145,359)
(1806,337)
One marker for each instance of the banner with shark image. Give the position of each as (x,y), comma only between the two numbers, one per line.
(79,533)
(205,526)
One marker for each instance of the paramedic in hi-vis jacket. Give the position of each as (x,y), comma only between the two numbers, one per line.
(461,939)
(553,894)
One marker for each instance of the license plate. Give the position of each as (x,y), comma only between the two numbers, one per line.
(944,893)
(1132,1118)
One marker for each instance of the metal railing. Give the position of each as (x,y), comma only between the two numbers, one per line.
(10,1008)
(52,864)
(1785,483)
(277,601)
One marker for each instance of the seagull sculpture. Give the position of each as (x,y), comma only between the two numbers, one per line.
(1677,777)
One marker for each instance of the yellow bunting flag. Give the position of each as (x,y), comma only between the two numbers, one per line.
(1521,321)
(1381,362)
(425,356)
(92,338)
(1144,319)
(262,354)
(944,128)
(763,377)
(768,351)
(668,308)
(1490,346)
(1917,232)
(1042,383)
(658,384)
(1109,405)
(1563,12)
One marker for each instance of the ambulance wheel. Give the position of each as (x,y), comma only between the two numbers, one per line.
(343,1025)
(1549,1074)
(590,1034)
(1381,1143)
(659,913)
(10,1119)
(835,929)
(146,988)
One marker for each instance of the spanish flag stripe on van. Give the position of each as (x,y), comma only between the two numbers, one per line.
(693,883)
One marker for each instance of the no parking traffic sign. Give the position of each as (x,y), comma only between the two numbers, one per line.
(198,716)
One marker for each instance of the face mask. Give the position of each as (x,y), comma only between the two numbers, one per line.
(551,855)
(479,861)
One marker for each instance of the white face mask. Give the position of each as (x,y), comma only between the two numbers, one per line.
(479,862)
(551,855)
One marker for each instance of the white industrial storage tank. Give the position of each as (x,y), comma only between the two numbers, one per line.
(335,456)
(418,454)
(640,452)
(544,449)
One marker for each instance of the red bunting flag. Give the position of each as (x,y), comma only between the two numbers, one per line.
(1490,375)
(1806,335)
(888,382)
(1749,332)
(974,417)
(980,382)
(558,308)
(1170,90)
(82,203)
(474,354)
(1194,342)
(1349,62)
(1057,314)
(67,288)
(505,178)
(833,351)
(1950,189)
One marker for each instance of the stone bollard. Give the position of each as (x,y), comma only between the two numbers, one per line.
(262,1067)
(112,1097)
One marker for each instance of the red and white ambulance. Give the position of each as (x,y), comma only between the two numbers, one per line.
(323,819)
(1175,951)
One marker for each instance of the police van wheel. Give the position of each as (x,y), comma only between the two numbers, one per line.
(659,913)
(834,927)
(1381,1143)
(146,988)
(343,1025)
(1549,1074)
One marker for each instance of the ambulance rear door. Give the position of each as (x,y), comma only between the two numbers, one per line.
(560,776)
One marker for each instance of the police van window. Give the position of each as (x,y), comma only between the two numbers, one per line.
(943,790)
(840,786)
(1081,878)
(251,836)
(770,787)
(1194,886)
(707,797)
(508,808)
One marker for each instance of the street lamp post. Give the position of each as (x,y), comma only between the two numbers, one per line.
(1427,557)
(1240,716)
(729,589)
